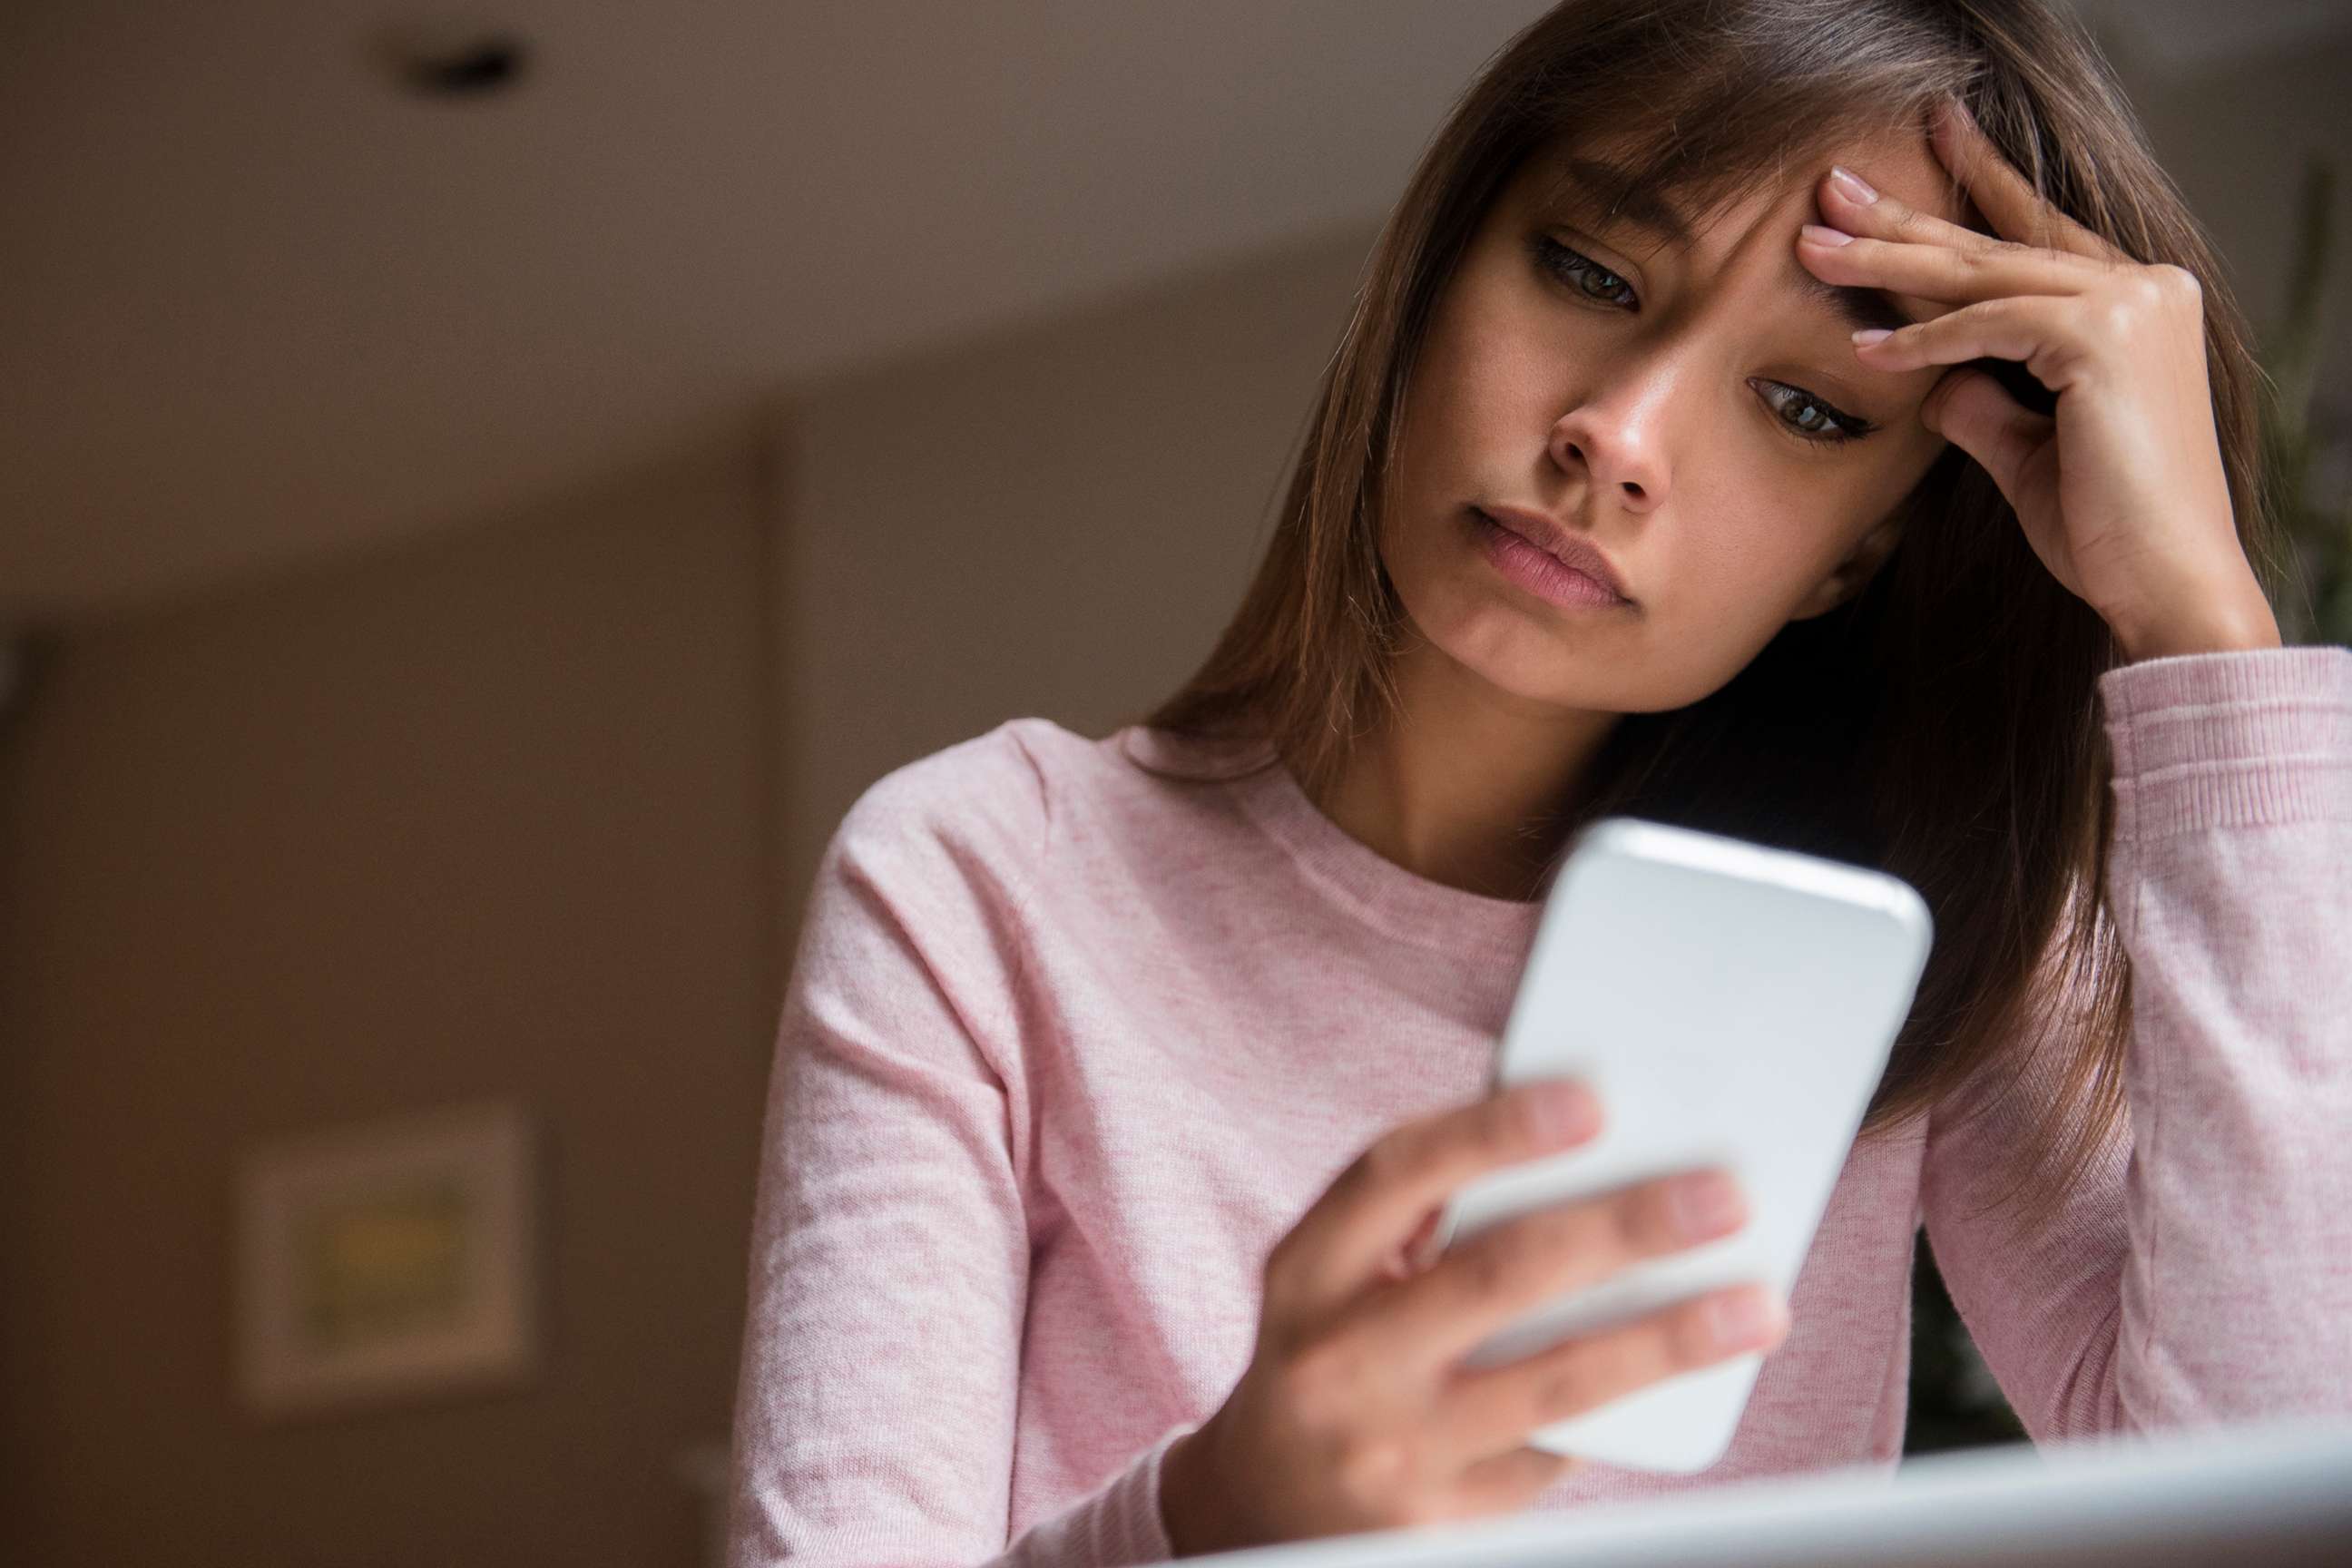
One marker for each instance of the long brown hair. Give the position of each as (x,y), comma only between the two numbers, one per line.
(1942,724)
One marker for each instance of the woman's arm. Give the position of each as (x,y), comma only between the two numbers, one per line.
(889,1264)
(2201,1271)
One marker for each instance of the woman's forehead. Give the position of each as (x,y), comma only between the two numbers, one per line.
(1607,171)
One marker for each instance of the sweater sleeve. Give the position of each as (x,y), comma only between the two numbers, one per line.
(2199,1273)
(888,1274)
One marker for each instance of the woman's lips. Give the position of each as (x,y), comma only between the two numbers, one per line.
(1540,573)
(1560,541)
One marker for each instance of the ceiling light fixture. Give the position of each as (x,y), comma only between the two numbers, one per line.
(456,63)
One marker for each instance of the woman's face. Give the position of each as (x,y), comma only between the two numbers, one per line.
(1654,398)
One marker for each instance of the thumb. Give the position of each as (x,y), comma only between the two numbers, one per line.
(1976,414)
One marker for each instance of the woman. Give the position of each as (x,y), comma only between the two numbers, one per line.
(1117,1076)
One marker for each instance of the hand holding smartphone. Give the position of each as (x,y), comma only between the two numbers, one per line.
(1354,1414)
(1689,1000)
(1732,1006)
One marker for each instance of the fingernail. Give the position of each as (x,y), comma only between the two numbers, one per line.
(1869,335)
(1704,1203)
(1821,235)
(1566,1110)
(1852,183)
(1747,1317)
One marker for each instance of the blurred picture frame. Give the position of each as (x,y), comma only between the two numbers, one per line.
(388,1261)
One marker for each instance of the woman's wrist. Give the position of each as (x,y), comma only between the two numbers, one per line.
(2205,622)
(1173,1488)
(1180,1513)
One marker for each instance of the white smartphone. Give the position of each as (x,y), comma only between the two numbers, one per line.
(1732,1003)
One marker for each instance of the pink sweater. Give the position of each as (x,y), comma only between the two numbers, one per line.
(1066,1047)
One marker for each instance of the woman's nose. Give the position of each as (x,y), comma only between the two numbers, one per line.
(1613,445)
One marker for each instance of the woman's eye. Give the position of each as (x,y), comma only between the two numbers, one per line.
(1570,267)
(1810,419)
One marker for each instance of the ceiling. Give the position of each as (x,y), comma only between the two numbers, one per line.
(261,305)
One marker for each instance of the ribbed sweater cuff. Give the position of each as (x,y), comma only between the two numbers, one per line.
(2242,737)
(1117,1526)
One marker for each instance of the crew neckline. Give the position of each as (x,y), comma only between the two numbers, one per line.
(1374,890)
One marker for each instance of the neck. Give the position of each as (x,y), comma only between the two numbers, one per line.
(1469,786)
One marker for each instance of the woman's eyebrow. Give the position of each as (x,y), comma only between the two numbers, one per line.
(1583,177)
(1853,307)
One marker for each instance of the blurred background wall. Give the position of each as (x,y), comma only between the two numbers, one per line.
(488,816)
(470,550)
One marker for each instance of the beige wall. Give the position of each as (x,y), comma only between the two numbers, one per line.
(487,818)
(1056,521)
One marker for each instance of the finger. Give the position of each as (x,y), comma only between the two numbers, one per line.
(1498,1275)
(1943,273)
(1949,263)
(1507,1483)
(1486,1408)
(2033,329)
(1972,411)
(1884,217)
(1373,1205)
(2002,192)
